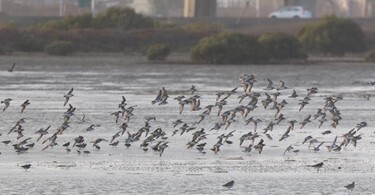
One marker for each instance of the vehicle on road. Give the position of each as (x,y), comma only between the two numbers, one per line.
(291,12)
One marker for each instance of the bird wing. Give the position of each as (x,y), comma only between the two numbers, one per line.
(270,83)
(70,91)
(12,68)
(164,92)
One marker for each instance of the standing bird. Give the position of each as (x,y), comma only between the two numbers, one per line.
(317,166)
(229,184)
(350,186)
(7,103)
(68,95)
(23,105)
(12,68)
(27,166)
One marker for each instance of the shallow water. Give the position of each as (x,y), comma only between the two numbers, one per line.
(99,83)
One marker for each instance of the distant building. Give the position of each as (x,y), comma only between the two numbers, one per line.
(200,8)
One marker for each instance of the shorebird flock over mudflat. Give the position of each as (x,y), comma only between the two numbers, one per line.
(250,99)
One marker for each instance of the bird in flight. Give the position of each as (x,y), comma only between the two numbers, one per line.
(24,104)
(12,68)
(68,95)
(7,103)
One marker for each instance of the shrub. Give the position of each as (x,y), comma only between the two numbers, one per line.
(30,44)
(158,52)
(281,46)
(203,27)
(332,35)
(80,21)
(59,48)
(122,18)
(7,25)
(370,56)
(228,48)
(114,17)
(54,25)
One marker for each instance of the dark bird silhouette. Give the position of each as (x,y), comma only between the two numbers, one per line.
(66,144)
(229,184)
(286,134)
(114,144)
(350,186)
(294,94)
(42,132)
(6,142)
(270,85)
(30,145)
(192,90)
(317,166)
(117,115)
(68,95)
(86,152)
(326,132)
(12,68)
(26,167)
(24,104)
(7,103)
(259,146)
(123,103)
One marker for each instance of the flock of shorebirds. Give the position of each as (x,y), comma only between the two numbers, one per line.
(157,139)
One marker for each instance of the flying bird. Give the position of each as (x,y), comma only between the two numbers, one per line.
(192,90)
(68,95)
(270,85)
(24,104)
(12,68)
(282,86)
(7,103)
(294,94)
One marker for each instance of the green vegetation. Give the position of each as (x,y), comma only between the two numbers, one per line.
(122,30)
(158,52)
(332,35)
(282,46)
(370,56)
(228,48)
(60,48)
(203,27)
(114,17)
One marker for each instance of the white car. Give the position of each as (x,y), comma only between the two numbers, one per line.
(291,12)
